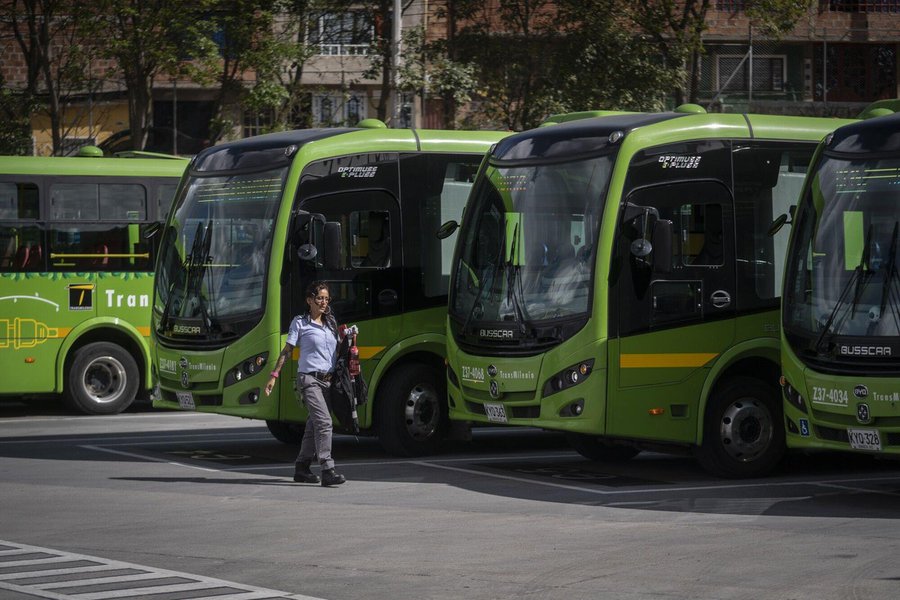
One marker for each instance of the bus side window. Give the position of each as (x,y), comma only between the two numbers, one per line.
(768,178)
(18,201)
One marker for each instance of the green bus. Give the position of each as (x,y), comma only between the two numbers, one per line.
(76,274)
(614,279)
(841,308)
(257,220)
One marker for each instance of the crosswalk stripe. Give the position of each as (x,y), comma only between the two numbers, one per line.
(98,580)
(53,572)
(105,579)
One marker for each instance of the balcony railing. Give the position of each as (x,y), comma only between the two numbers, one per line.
(856,6)
(343,49)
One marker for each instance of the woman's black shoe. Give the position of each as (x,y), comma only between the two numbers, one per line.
(302,474)
(329,478)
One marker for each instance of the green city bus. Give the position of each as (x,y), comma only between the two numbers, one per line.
(76,274)
(840,347)
(614,279)
(257,220)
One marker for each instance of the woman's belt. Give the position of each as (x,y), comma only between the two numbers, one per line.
(322,376)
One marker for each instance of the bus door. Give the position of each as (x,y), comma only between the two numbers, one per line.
(366,278)
(675,305)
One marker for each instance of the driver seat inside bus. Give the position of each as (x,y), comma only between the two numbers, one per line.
(379,254)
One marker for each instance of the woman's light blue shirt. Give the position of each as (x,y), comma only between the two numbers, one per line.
(318,345)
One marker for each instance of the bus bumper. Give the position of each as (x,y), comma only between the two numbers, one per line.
(855,414)
(519,394)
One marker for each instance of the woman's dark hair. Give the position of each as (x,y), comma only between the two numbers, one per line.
(312,290)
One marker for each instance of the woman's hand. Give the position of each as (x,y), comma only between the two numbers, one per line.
(270,385)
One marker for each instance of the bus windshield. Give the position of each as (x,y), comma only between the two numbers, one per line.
(215,252)
(527,246)
(842,272)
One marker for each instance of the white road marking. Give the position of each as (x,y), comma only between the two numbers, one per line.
(91,589)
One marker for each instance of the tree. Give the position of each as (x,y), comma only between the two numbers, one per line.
(515,49)
(246,30)
(776,18)
(676,28)
(428,69)
(448,50)
(280,59)
(150,38)
(604,65)
(57,59)
(15,127)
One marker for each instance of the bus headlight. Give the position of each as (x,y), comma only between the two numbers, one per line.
(568,377)
(246,368)
(792,395)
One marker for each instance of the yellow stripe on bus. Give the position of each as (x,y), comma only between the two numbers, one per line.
(665,361)
(365,352)
(144,331)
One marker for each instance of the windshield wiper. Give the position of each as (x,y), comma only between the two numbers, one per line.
(512,267)
(856,279)
(889,272)
(187,267)
(483,284)
(200,268)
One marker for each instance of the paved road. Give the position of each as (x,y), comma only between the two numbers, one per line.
(198,505)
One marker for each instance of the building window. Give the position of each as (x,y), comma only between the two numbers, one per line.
(768,73)
(731,6)
(854,72)
(862,6)
(256,123)
(344,34)
(333,110)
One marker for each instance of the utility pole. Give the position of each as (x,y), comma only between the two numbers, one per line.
(396,33)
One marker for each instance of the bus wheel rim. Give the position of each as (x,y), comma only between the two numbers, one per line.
(746,429)
(104,379)
(422,412)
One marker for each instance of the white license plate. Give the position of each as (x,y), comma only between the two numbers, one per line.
(864,439)
(186,400)
(495,412)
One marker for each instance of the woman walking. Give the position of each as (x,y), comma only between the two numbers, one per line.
(315,333)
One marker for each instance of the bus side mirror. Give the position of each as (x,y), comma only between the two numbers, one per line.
(782,220)
(306,229)
(332,245)
(779,222)
(663,232)
(447,229)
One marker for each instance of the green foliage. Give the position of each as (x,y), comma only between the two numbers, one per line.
(428,69)
(15,124)
(775,18)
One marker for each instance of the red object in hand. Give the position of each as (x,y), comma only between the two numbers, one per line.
(353,363)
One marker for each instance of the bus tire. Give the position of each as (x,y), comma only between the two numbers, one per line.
(743,431)
(285,432)
(102,380)
(596,448)
(411,410)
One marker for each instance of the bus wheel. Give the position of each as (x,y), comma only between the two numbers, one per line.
(596,448)
(743,433)
(411,407)
(286,433)
(102,380)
